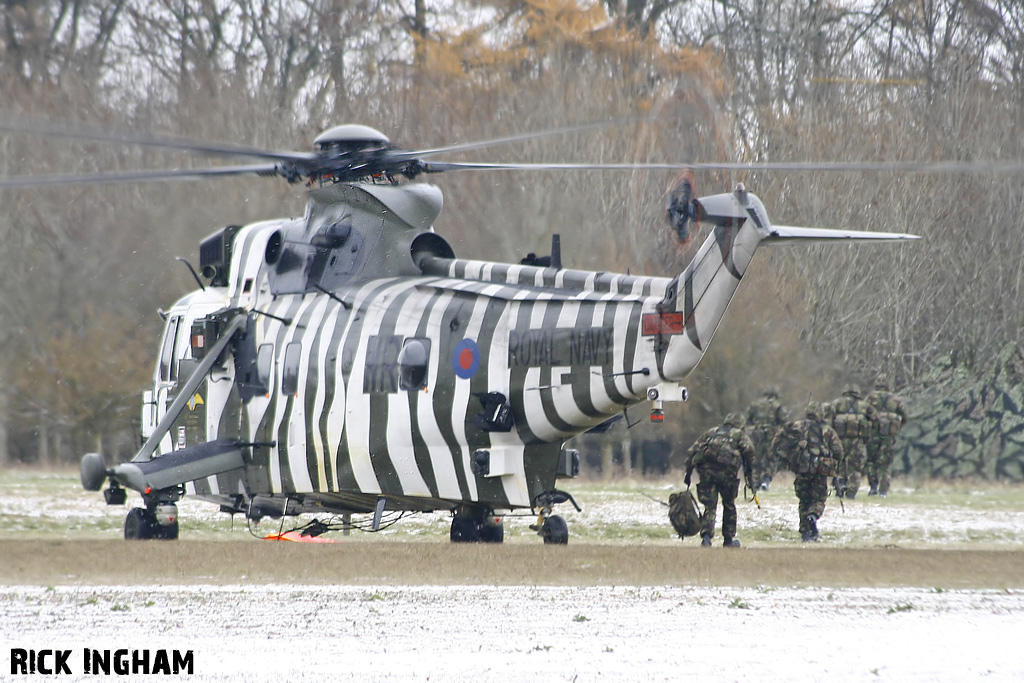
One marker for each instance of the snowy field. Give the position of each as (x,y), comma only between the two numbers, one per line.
(949,516)
(423,633)
(287,632)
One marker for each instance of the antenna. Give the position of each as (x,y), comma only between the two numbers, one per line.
(193,271)
(556,251)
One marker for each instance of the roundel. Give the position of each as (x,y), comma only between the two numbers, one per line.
(466,358)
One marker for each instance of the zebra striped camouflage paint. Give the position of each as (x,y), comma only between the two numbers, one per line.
(567,348)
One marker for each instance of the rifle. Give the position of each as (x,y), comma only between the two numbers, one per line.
(646,495)
(750,485)
(841,483)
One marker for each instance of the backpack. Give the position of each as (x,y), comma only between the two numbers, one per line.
(809,454)
(683,513)
(850,421)
(787,442)
(889,420)
(719,449)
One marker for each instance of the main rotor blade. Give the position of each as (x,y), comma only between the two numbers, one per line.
(64,180)
(96,134)
(441,166)
(564,130)
(837,166)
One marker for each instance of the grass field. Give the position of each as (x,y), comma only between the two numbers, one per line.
(959,515)
(885,596)
(931,534)
(51,505)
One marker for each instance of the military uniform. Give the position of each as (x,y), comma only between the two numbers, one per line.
(811,449)
(892,415)
(764,417)
(717,456)
(856,422)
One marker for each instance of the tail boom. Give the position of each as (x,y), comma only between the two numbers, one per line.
(701,294)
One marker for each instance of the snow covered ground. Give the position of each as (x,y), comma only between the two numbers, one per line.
(947,516)
(761,634)
(426,633)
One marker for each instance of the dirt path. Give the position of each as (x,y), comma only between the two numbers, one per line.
(117,562)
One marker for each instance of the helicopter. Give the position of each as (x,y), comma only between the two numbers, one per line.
(347,362)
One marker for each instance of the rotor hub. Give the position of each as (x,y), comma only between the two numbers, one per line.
(351,136)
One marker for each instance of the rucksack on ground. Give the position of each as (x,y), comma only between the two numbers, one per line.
(684,514)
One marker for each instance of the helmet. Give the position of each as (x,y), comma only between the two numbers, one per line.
(814,410)
(734,419)
(771,392)
(852,390)
(881,382)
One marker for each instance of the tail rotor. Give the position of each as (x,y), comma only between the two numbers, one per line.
(681,207)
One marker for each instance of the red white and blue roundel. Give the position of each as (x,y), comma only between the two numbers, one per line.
(466,358)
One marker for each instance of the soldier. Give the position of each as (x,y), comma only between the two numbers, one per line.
(855,421)
(764,417)
(891,418)
(811,449)
(718,455)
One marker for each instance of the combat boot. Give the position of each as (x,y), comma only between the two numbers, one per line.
(705,540)
(812,529)
(873,491)
(731,543)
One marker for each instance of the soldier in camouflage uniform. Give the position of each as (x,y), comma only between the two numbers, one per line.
(811,448)
(764,417)
(718,455)
(856,422)
(891,418)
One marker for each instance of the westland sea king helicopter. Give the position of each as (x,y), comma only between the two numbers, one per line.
(347,362)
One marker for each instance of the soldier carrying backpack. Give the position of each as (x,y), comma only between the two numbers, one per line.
(717,456)
(763,419)
(855,421)
(892,415)
(813,450)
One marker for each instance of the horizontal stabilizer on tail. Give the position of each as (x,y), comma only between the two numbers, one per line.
(788,234)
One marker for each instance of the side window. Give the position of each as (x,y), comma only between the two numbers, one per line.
(414,364)
(264,366)
(290,373)
(168,363)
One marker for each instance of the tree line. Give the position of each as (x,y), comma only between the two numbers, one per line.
(84,269)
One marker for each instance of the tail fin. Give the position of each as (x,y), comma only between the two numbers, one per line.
(703,291)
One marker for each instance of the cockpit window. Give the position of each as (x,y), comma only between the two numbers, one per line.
(168,362)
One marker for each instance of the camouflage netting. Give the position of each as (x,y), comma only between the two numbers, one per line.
(967,423)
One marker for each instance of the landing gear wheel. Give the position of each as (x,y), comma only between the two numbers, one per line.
(465,529)
(167,533)
(555,531)
(492,531)
(140,525)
